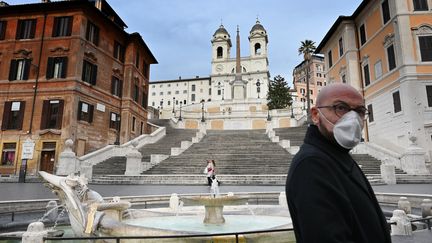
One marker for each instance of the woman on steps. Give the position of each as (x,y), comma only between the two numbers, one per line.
(210,171)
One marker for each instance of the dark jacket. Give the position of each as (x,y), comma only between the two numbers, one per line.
(329,198)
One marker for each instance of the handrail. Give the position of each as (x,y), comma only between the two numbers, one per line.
(118,238)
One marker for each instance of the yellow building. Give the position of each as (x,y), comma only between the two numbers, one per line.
(384,49)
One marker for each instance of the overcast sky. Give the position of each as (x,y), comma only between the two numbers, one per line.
(178,32)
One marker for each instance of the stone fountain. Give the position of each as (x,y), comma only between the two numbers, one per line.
(91,215)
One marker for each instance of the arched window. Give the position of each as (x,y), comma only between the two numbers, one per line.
(257,49)
(219,52)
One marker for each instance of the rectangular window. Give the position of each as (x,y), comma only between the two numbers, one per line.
(92,33)
(391,57)
(89,72)
(341,47)
(193,87)
(425,48)
(169,93)
(3,25)
(19,69)
(142,128)
(370,110)
(26,29)
(114,121)
(116,86)
(385,11)
(136,93)
(56,67)
(378,70)
(396,102)
(8,154)
(13,115)
(62,26)
(146,70)
(330,59)
(85,112)
(362,34)
(177,92)
(144,100)
(169,102)
(366,74)
(193,97)
(52,114)
(119,51)
(137,60)
(209,91)
(184,91)
(429,95)
(133,123)
(420,5)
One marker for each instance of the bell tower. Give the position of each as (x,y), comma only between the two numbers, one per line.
(258,40)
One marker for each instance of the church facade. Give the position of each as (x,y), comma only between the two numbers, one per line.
(219,86)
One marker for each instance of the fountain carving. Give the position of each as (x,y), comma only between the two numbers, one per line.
(91,215)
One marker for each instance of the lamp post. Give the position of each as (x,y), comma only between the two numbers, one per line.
(258,88)
(180,118)
(117,141)
(202,111)
(308,88)
(173,111)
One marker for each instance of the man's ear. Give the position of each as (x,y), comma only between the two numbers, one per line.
(314,115)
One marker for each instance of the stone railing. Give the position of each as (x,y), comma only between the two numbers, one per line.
(380,153)
(69,163)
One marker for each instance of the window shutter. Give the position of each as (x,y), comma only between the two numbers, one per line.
(83,71)
(120,88)
(45,114)
(113,84)
(64,67)
(18,32)
(55,31)
(69,26)
(396,102)
(60,115)
(50,68)
(90,110)
(79,110)
(94,74)
(27,64)
(3,25)
(96,35)
(33,28)
(6,114)
(13,70)
(21,115)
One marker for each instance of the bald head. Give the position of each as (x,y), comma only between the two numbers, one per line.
(334,91)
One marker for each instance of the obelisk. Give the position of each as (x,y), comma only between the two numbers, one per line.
(238,86)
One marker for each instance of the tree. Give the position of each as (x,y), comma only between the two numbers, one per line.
(307,48)
(278,96)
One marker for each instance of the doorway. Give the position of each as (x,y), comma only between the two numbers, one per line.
(48,157)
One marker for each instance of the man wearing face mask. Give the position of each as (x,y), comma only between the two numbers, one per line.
(329,198)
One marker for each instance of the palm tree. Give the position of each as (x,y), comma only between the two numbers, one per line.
(307,48)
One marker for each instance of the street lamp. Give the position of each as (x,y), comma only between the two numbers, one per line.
(173,105)
(307,89)
(117,141)
(258,87)
(180,118)
(202,111)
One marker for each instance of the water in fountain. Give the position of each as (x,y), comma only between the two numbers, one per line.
(250,209)
(179,208)
(214,188)
(50,211)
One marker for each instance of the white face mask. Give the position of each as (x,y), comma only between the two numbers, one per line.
(348,129)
